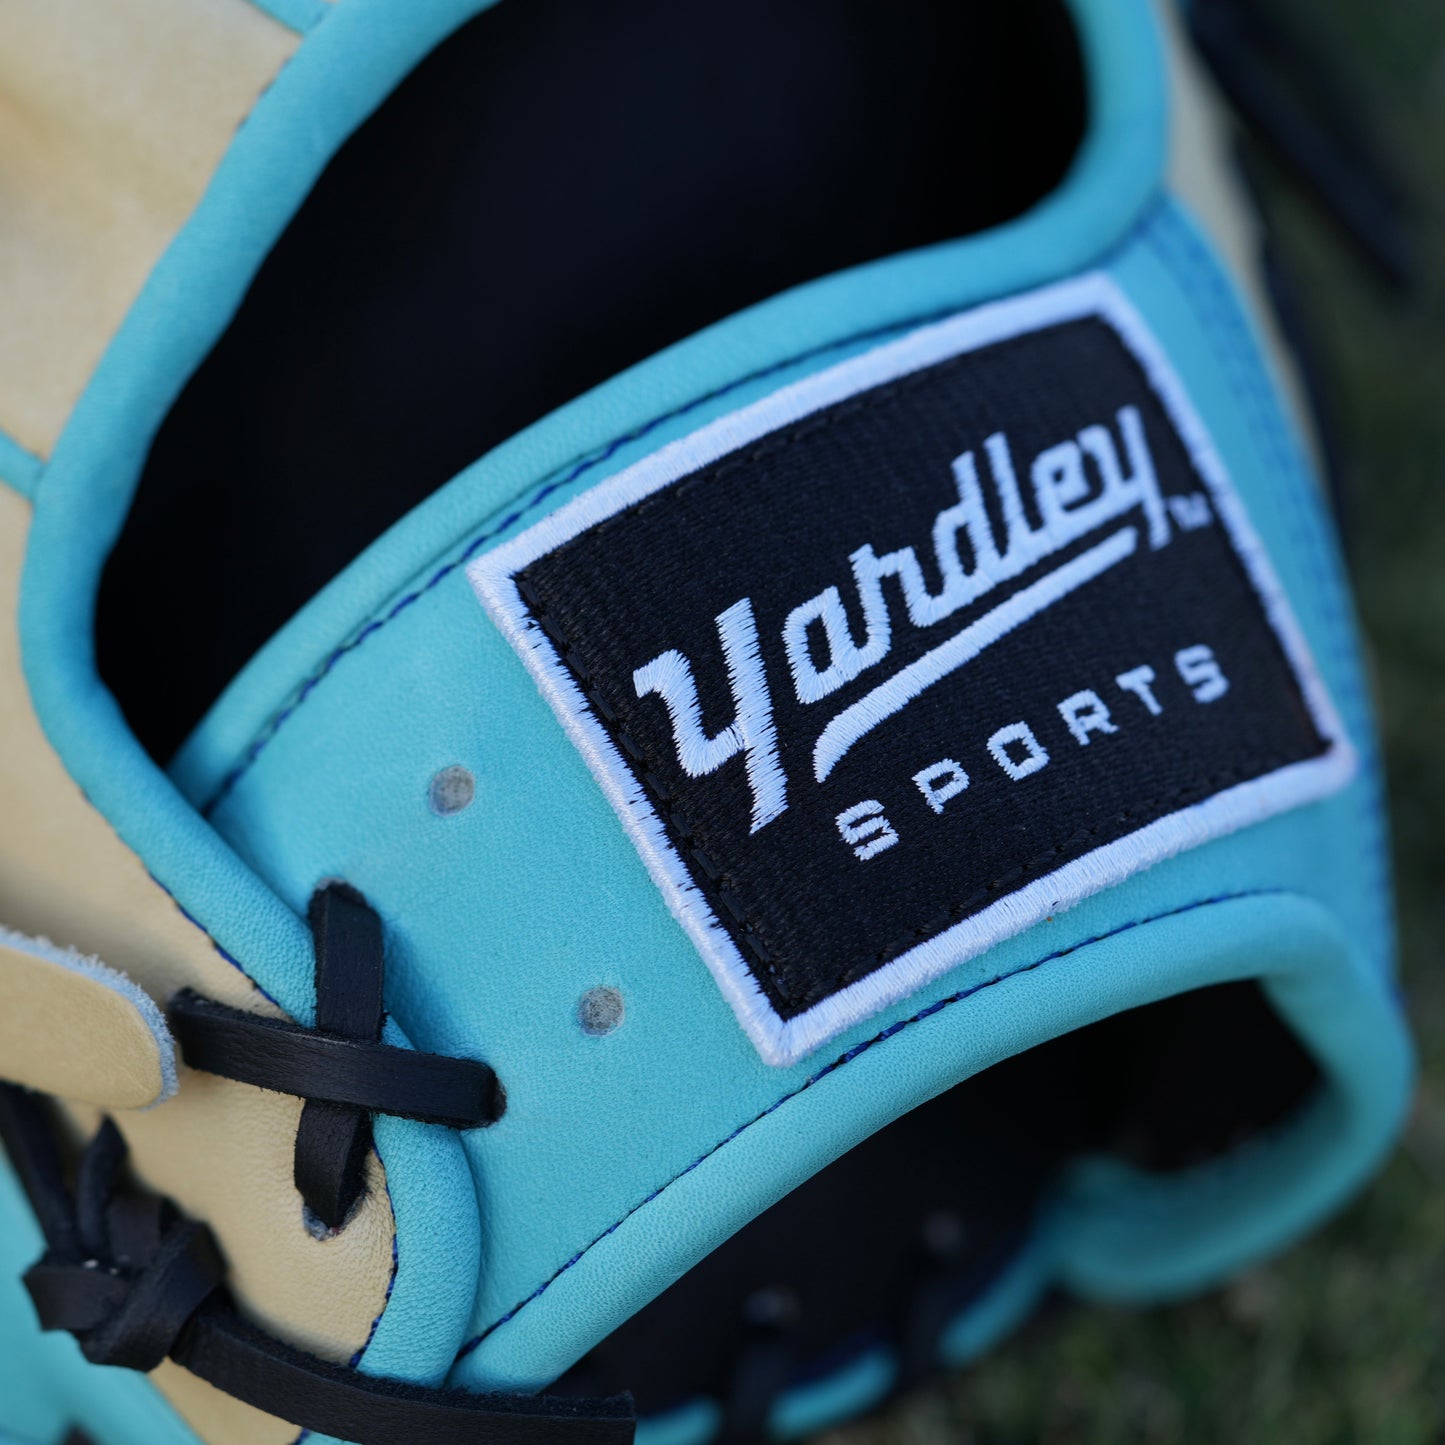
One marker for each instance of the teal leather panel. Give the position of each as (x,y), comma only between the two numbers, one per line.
(335,79)
(345,66)
(432,1191)
(621,1159)
(1114,177)
(46,1386)
(851,1391)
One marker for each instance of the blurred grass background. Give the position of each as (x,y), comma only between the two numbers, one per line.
(1343,1340)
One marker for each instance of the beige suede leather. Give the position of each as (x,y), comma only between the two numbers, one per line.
(222,1150)
(113,117)
(76,1029)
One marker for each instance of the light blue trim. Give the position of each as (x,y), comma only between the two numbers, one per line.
(46,1385)
(1117,951)
(438,1284)
(20,468)
(692,1424)
(328,88)
(1338,1003)
(821,1404)
(1127,1236)
(298,15)
(1219,318)
(1113,178)
(332,83)
(1005,1307)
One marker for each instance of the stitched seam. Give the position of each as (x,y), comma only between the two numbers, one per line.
(846,1058)
(201,929)
(1310,526)
(716,888)
(576,469)
(385,1182)
(1048,859)
(1011,879)
(355,1361)
(722,897)
(774,442)
(1181,251)
(713,884)
(597,457)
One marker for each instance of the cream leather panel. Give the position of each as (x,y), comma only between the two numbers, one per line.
(222,1150)
(69,1026)
(113,117)
(214,1415)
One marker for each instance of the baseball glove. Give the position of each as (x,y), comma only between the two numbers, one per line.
(678,714)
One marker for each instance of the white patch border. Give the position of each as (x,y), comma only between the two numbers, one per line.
(785,1041)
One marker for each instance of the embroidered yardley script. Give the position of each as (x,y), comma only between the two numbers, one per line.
(1069,497)
(918,651)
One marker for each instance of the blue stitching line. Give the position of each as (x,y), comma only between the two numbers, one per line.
(577,469)
(201,928)
(355,1360)
(1180,250)
(1173,243)
(386,1184)
(390,1284)
(895,1028)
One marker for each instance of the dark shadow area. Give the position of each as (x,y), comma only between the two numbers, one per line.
(556,193)
(927,1213)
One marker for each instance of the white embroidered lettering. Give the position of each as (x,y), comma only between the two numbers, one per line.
(1085,713)
(1198,668)
(865,828)
(940,782)
(1139,681)
(752,732)
(1018,736)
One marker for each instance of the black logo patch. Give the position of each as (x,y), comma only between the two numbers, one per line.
(900,660)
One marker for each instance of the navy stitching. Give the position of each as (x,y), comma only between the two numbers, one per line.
(1160,230)
(894,1028)
(201,928)
(577,469)
(355,1360)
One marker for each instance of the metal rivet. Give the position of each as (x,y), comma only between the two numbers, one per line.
(600,1011)
(451,790)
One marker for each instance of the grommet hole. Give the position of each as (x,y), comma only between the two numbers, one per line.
(451,790)
(600,1011)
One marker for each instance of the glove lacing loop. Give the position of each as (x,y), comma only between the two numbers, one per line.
(340,1067)
(135,1281)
